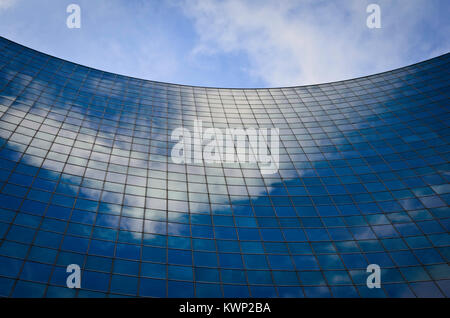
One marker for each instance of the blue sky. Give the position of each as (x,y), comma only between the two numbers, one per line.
(254,43)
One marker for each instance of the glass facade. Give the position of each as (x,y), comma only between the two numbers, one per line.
(86,178)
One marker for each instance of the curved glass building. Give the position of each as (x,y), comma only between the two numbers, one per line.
(87,177)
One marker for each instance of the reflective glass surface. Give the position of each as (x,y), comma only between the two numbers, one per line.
(86,178)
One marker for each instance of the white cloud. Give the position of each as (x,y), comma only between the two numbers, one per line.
(6,4)
(291,42)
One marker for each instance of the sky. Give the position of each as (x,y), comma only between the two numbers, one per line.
(254,43)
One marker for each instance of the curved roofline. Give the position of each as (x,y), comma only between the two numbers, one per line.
(231,88)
